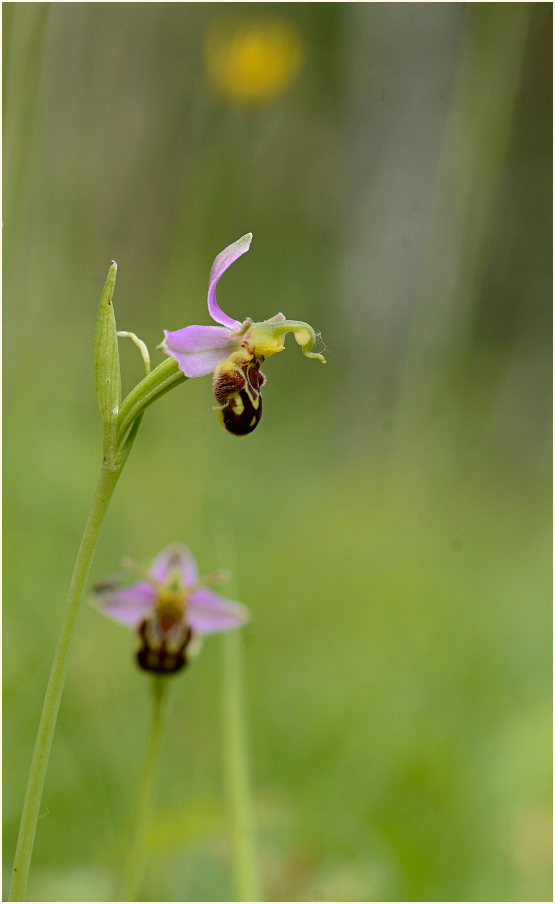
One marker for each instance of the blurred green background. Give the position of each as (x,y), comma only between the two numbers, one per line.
(391,515)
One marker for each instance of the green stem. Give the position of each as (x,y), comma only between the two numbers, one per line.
(134,866)
(155,384)
(235,747)
(27,830)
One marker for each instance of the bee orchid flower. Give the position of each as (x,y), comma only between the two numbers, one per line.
(234,351)
(171,609)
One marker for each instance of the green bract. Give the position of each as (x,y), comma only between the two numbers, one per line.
(106,357)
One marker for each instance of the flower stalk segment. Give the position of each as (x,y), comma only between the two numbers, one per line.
(152,387)
(37,774)
(247,880)
(133,870)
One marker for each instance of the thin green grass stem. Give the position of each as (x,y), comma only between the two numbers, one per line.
(33,796)
(134,865)
(237,770)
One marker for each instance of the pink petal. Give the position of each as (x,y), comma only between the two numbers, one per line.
(220,265)
(176,557)
(209,613)
(127,605)
(199,349)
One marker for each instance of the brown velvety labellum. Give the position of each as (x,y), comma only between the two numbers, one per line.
(161,659)
(238,392)
(241,422)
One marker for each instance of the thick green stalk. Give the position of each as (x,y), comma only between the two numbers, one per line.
(105,488)
(134,865)
(152,387)
(236,761)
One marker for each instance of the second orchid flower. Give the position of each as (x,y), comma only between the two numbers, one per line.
(170,608)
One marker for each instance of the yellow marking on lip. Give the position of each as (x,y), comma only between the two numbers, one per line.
(238,405)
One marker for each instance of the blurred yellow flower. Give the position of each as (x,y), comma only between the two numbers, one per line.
(252,62)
